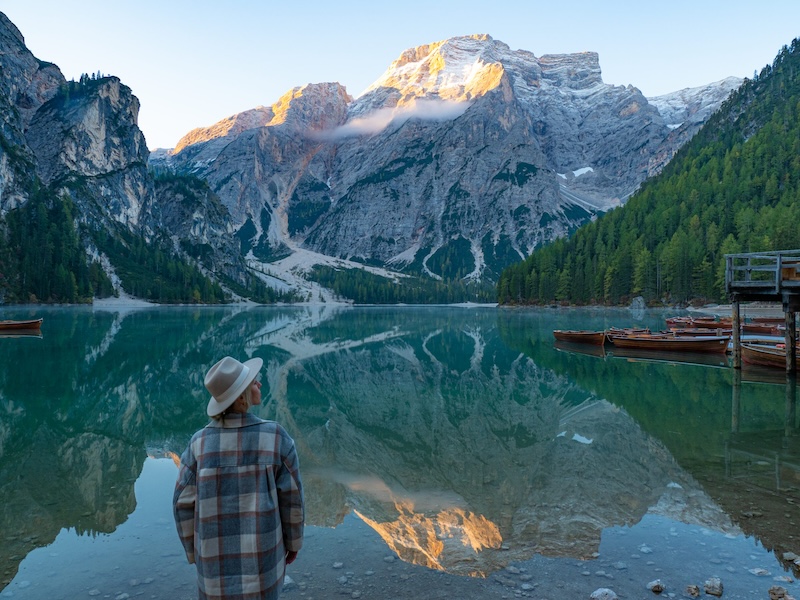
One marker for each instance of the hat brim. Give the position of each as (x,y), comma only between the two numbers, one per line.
(215,408)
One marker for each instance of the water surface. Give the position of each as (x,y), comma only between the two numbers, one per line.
(461,441)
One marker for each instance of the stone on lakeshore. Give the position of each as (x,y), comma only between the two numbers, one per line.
(656,586)
(693,590)
(338,565)
(777,592)
(713,586)
(603,594)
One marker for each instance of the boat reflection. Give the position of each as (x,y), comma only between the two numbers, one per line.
(709,359)
(577,348)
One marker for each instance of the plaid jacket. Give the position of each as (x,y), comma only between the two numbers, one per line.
(238,506)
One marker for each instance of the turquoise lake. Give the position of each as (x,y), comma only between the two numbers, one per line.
(447,446)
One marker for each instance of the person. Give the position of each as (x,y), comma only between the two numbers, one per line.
(238,501)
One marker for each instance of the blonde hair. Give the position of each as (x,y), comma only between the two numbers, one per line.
(247,394)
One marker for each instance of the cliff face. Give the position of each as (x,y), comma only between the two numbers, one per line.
(26,84)
(82,139)
(464,150)
(87,134)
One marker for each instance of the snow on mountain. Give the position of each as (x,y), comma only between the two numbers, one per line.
(696,104)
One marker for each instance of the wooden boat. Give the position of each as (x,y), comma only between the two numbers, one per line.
(679,322)
(767,355)
(769,320)
(597,338)
(701,331)
(673,343)
(711,323)
(759,328)
(29,324)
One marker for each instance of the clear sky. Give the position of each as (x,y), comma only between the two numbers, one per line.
(194,62)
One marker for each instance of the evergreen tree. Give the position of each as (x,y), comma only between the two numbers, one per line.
(735,187)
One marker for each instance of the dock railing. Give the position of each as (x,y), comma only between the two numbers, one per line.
(763,273)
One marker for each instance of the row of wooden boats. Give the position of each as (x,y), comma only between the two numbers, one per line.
(754,326)
(643,339)
(687,335)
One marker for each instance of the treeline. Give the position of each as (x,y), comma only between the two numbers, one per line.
(153,271)
(42,258)
(735,187)
(366,288)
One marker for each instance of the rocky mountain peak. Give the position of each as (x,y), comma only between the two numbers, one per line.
(459,69)
(227,127)
(694,105)
(580,71)
(315,106)
(312,107)
(27,82)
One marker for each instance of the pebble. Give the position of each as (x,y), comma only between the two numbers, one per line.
(645,549)
(388,559)
(693,590)
(94,592)
(777,592)
(656,586)
(338,565)
(603,594)
(713,586)
(760,572)
(343,579)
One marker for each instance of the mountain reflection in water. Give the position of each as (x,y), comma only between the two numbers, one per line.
(462,436)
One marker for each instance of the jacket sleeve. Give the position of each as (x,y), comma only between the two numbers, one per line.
(290,498)
(183,502)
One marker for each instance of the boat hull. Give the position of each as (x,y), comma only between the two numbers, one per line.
(702,343)
(12,325)
(767,356)
(596,338)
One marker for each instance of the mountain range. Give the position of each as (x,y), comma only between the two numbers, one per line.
(462,158)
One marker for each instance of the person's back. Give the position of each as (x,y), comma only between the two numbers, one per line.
(238,499)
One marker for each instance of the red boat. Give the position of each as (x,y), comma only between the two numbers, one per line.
(596,338)
(673,343)
(768,355)
(30,324)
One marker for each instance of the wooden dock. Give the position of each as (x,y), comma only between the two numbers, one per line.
(765,277)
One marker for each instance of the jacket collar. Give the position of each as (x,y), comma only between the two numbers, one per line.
(235,420)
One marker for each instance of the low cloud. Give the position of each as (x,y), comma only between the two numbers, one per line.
(375,122)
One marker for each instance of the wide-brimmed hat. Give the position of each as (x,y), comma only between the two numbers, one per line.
(226,381)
